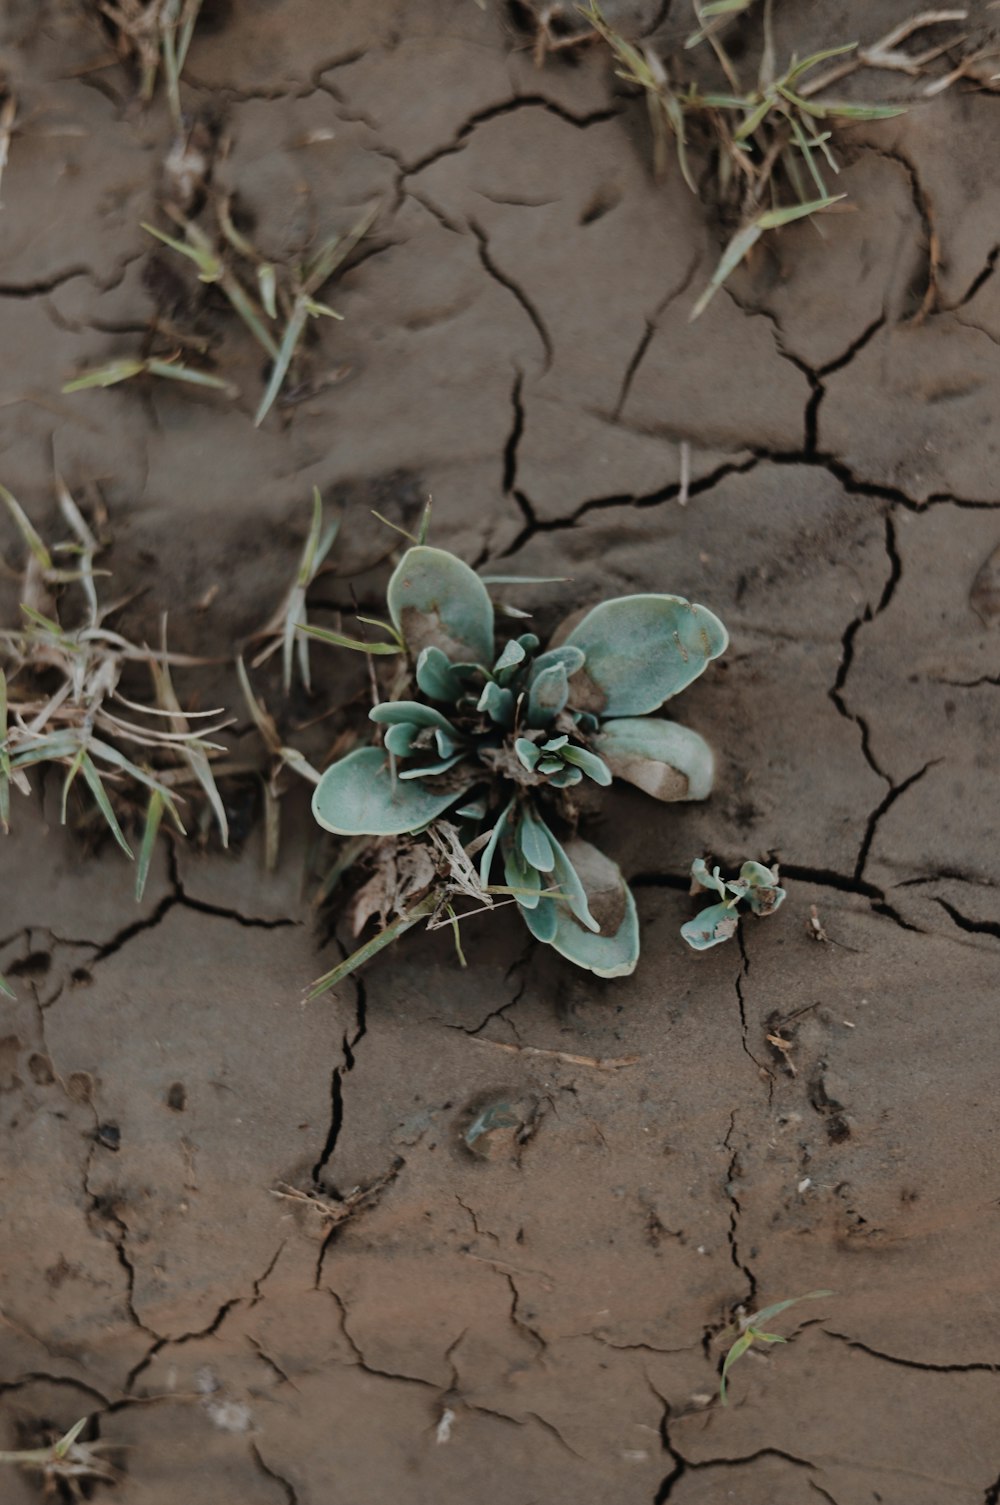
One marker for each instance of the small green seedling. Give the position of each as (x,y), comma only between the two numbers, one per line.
(283,299)
(66,1462)
(484,747)
(114,372)
(772,140)
(757,887)
(751,1331)
(61,702)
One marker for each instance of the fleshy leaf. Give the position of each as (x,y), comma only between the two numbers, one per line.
(497,703)
(547,696)
(435,600)
(594,767)
(429,770)
(512,655)
(473,809)
(527,753)
(762,893)
(489,851)
(708,880)
(716,924)
(536,842)
(571,658)
(570,885)
(435,675)
(640,651)
(615,951)
(399,738)
(543,920)
(565,777)
(668,761)
(389,712)
(357,796)
(519,874)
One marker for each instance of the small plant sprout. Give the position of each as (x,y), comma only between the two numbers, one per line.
(771,140)
(751,1331)
(757,887)
(155,35)
(501,738)
(61,703)
(286,628)
(282,300)
(66,1462)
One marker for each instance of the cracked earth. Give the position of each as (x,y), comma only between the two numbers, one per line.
(245,1236)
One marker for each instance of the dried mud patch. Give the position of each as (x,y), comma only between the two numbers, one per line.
(519,1205)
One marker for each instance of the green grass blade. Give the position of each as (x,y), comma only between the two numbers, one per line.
(371,948)
(188,25)
(27,532)
(100,794)
(174,371)
(797,70)
(74,769)
(767,1312)
(737,1351)
(7,990)
(748,237)
(731,257)
(208,264)
(237,296)
(195,756)
(338,639)
(105,376)
(293,333)
(335,252)
(804,147)
(268,285)
(154,815)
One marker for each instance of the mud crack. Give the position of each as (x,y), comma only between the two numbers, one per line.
(508,107)
(973,927)
(291,1497)
(515,291)
(650,327)
(889,1358)
(683,1465)
(733,1171)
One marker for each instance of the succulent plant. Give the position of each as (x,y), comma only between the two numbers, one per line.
(497,737)
(757,887)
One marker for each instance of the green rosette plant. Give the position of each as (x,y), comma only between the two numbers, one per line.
(756,886)
(499,737)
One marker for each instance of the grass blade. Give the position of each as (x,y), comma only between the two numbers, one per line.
(27,532)
(747,237)
(737,1351)
(74,769)
(338,639)
(7,990)
(371,948)
(105,376)
(100,794)
(195,756)
(154,815)
(293,333)
(208,264)
(176,372)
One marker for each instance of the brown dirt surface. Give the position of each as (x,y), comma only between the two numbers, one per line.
(540,1320)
